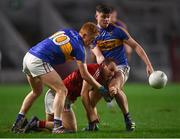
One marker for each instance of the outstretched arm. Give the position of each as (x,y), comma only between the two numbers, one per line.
(142,54)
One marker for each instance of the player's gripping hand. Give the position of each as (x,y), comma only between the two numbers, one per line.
(104,92)
(113,91)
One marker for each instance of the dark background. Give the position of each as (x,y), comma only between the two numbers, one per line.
(153,23)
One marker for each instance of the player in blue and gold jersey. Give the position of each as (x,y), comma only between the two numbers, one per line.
(114,19)
(64,45)
(110,44)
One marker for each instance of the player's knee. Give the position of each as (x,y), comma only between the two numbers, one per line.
(36,93)
(65,91)
(62,91)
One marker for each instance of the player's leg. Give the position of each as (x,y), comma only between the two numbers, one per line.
(68,116)
(94,99)
(36,86)
(48,123)
(54,81)
(122,102)
(121,98)
(36,124)
(69,120)
(93,116)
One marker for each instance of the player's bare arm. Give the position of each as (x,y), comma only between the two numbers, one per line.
(97,52)
(142,54)
(140,51)
(86,75)
(91,114)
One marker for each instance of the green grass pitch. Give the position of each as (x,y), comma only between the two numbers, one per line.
(156,113)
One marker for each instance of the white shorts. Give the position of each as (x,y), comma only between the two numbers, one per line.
(34,66)
(49,99)
(124,69)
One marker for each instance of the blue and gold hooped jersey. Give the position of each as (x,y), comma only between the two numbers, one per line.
(110,42)
(62,46)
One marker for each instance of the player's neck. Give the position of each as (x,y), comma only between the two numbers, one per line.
(99,26)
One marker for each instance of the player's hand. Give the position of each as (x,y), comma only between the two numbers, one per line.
(149,70)
(107,97)
(113,91)
(104,92)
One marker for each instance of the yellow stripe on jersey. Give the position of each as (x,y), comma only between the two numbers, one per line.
(109,44)
(61,39)
(67,49)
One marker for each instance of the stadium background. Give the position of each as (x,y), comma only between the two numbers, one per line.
(153,23)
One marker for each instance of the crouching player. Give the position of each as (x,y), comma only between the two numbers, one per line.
(102,73)
(65,45)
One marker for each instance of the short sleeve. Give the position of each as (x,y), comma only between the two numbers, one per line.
(122,34)
(95,42)
(79,54)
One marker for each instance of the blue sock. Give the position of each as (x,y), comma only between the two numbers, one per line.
(19,117)
(57,123)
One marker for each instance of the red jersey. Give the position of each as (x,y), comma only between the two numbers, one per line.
(73,82)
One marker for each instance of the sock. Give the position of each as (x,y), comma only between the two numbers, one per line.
(19,117)
(57,123)
(94,122)
(127,117)
(41,124)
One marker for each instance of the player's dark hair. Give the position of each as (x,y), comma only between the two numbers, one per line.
(108,61)
(104,8)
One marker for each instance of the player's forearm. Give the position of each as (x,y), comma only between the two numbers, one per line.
(87,77)
(142,55)
(100,59)
(99,56)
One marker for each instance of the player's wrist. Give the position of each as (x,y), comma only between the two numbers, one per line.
(102,90)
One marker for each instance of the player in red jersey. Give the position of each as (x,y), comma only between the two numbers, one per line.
(64,45)
(74,82)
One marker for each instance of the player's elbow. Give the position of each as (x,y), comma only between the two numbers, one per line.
(85,76)
(100,59)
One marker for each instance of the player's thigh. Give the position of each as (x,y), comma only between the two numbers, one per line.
(69,120)
(94,98)
(123,73)
(54,81)
(120,77)
(35,83)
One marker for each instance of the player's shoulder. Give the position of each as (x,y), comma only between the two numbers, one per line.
(72,76)
(94,70)
(75,39)
(71,32)
(120,29)
(117,27)
(93,67)
(122,24)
